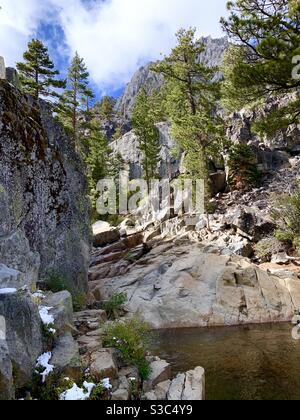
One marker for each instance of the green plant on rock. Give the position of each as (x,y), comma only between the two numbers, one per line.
(266,248)
(242,165)
(131,338)
(57,283)
(286,213)
(115,305)
(99,393)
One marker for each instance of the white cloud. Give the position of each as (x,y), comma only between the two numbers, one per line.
(19,20)
(115,36)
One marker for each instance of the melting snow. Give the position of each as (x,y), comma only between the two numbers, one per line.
(39,295)
(7,291)
(106,384)
(78,394)
(44,314)
(43,361)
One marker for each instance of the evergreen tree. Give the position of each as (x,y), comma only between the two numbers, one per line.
(98,155)
(143,121)
(73,108)
(191,103)
(37,74)
(261,63)
(105,108)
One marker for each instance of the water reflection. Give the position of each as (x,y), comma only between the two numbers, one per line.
(242,363)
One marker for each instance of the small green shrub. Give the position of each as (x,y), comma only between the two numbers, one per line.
(242,163)
(57,283)
(79,302)
(286,213)
(115,304)
(131,338)
(99,393)
(267,247)
(48,336)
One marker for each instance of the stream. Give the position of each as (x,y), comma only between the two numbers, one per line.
(260,362)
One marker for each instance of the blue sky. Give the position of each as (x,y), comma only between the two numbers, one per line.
(115,37)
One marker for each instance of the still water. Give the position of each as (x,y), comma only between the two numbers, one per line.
(242,363)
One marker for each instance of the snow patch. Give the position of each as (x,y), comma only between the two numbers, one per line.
(106,384)
(43,362)
(47,319)
(78,394)
(39,295)
(8,291)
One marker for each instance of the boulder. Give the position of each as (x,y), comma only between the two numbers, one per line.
(6,373)
(250,222)
(194,387)
(176,388)
(104,234)
(65,357)
(23,334)
(10,278)
(161,390)
(281,259)
(103,365)
(160,372)
(12,77)
(120,395)
(61,309)
(187,285)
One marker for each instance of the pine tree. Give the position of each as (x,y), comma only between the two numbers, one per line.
(260,64)
(105,108)
(191,104)
(37,74)
(73,108)
(143,121)
(98,155)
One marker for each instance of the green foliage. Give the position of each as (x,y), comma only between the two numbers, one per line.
(131,337)
(260,63)
(191,103)
(48,336)
(286,213)
(37,74)
(105,108)
(51,389)
(73,110)
(115,305)
(99,393)
(118,134)
(143,120)
(242,163)
(96,158)
(266,248)
(57,283)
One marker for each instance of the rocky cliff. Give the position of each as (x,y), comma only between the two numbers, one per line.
(128,147)
(44,217)
(44,232)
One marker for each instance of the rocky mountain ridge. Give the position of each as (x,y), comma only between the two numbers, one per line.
(150,81)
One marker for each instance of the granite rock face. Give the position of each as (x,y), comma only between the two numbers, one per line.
(184,285)
(240,131)
(44,226)
(23,334)
(128,147)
